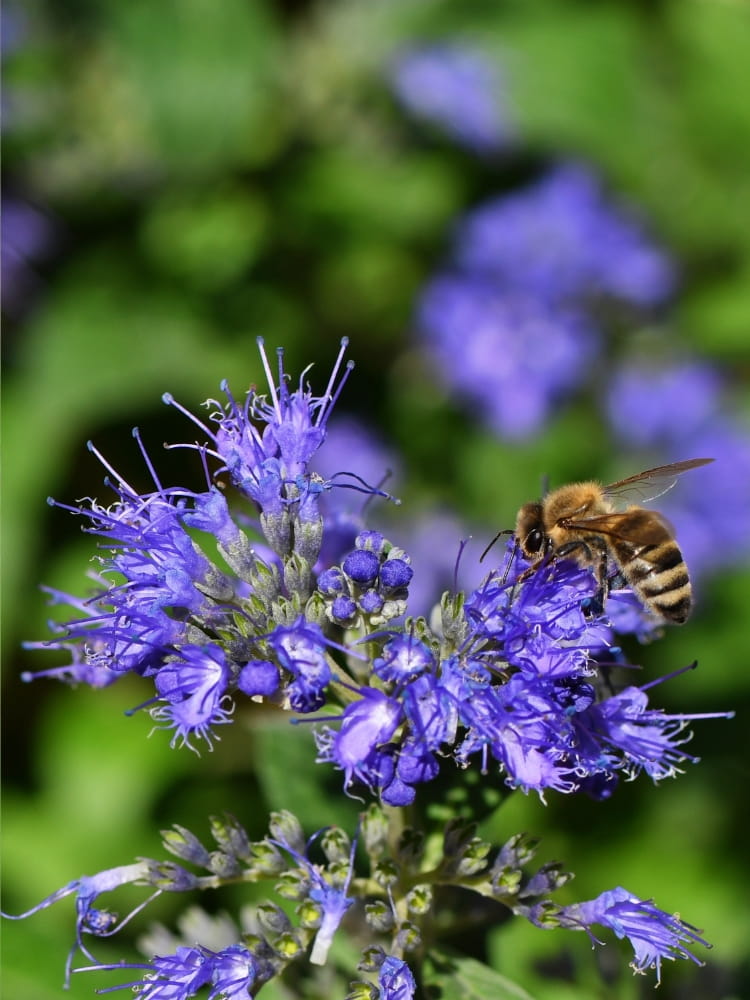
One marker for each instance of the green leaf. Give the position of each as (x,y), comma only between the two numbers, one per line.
(208,238)
(456,978)
(212,101)
(290,778)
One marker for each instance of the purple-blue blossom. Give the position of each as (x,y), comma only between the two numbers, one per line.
(512,356)
(459,89)
(646,406)
(193,693)
(301,650)
(91,919)
(395,980)
(232,973)
(403,659)
(562,239)
(266,444)
(331,895)
(654,934)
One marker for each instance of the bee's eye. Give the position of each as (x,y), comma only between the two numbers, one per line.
(534,540)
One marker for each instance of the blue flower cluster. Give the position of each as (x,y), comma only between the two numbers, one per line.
(514,678)
(514,323)
(212,602)
(205,627)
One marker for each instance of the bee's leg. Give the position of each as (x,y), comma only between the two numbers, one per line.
(595,553)
(565,551)
(600,571)
(529,570)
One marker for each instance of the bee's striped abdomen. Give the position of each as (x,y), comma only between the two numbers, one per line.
(658,574)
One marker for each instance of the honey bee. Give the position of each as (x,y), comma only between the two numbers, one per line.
(593,525)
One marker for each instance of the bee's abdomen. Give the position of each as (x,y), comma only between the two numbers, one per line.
(659,576)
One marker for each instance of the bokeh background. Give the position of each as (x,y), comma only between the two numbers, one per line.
(531,220)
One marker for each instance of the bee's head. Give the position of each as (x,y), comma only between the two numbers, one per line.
(530,530)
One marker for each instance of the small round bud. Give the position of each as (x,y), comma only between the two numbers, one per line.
(259,677)
(373,541)
(332,582)
(395,574)
(362,567)
(371,602)
(343,610)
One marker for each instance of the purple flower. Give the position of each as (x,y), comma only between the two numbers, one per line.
(361,567)
(372,581)
(654,934)
(231,973)
(510,354)
(301,651)
(89,919)
(395,980)
(395,574)
(266,444)
(458,89)
(646,406)
(562,240)
(623,732)
(165,579)
(203,629)
(544,624)
(193,689)
(259,677)
(526,728)
(404,658)
(359,746)
(329,893)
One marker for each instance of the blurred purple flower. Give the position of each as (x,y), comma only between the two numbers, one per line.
(711,509)
(438,568)
(28,236)
(562,239)
(670,403)
(511,355)
(678,413)
(457,88)
(351,447)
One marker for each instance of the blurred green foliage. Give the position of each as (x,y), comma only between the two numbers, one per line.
(211,172)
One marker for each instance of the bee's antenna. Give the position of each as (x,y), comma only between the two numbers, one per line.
(545,484)
(505,531)
(510,562)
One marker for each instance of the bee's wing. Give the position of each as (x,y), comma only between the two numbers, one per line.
(647,486)
(639,530)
